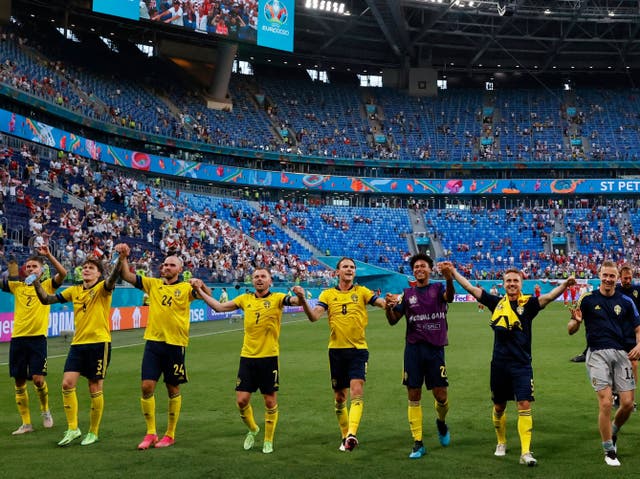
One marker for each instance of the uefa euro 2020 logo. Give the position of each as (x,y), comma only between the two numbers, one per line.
(275,12)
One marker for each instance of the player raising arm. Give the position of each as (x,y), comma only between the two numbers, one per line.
(167,336)
(511,371)
(259,357)
(346,308)
(90,351)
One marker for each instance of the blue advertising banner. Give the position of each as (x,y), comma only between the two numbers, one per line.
(39,132)
(276,24)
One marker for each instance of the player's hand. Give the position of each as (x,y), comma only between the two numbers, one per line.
(298,291)
(571,281)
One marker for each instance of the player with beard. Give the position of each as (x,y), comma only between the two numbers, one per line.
(259,358)
(511,371)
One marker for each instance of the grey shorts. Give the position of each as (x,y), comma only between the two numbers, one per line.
(610,368)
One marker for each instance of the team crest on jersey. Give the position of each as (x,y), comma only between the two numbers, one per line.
(354,298)
(267,304)
(177,293)
(617,309)
(635,293)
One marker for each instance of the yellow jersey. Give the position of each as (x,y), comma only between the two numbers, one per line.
(91,310)
(348,318)
(31,317)
(169,310)
(262,321)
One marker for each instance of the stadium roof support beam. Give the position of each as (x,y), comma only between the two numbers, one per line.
(558,43)
(390,18)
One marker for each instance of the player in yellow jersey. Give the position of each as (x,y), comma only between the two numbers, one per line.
(167,336)
(28,347)
(259,366)
(346,307)
(90,350)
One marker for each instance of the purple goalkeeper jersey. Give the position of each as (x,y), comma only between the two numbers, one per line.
(426,311)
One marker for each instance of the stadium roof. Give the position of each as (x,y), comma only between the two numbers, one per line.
(449,35)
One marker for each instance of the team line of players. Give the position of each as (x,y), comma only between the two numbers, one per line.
(610,315)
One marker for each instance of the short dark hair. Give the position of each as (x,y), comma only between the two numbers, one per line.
(36,257)
(345,258)
(96,262)
(626,267)
(420,257)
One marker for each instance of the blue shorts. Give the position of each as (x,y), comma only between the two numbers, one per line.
(258,373)
(511,381)
(347,364)
(164,359)
(90,360)
(424,363)
(28,357)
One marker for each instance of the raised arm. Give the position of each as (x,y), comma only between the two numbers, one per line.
(212,302)
(312,313)
(42,294)
(555,292)
(61,271)
(447,269)
(475,291)
(392,315)
(298,292)
(125,272)
(574,323)
(110,282)
(197,284)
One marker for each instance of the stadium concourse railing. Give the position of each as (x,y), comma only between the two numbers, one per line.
(277,157)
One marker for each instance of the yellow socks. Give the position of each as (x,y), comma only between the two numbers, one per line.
(70,403)
(342,413)
(175,404)
(525,428)
(43,395)
(414,412)
(246,414)
(500,423)
(442,409)
(149,411)
(95,416)
(22,401)
(355,414)
(270,422)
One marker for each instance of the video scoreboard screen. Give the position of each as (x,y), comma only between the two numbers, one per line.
(267,23)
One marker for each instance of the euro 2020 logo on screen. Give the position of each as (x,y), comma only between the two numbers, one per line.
(275,12)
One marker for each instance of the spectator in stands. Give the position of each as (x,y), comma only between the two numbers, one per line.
(259,363)
(346,306)
(90,350)
(167,336)
(511,371)
(425,306)
(28,347)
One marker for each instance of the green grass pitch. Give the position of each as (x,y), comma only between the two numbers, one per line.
(210,434)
